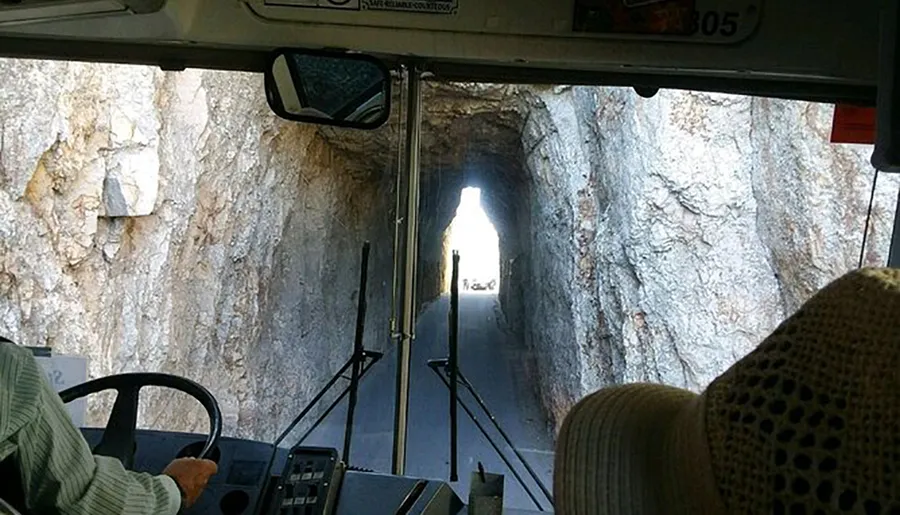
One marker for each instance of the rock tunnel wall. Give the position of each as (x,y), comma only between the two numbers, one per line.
(642,239)
(169,222)
(684,228)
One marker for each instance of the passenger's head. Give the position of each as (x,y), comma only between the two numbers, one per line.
(809,422)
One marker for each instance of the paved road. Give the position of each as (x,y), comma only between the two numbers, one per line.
(493,364)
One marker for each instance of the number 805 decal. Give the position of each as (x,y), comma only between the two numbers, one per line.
(714,23)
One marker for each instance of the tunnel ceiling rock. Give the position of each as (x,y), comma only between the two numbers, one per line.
(459,120)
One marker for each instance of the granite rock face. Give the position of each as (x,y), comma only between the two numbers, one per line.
(169,222)
(684,229)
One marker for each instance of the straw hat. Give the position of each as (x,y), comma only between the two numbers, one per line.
(808,423)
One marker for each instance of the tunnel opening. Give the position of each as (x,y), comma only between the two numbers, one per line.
(472,234)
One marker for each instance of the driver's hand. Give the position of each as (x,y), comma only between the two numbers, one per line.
(192,475)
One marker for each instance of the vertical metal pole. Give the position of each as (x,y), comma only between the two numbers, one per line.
(398,206)
(454,363)
(894,254)
(407,283)
(358,351)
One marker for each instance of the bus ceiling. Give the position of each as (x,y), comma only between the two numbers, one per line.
(803,49)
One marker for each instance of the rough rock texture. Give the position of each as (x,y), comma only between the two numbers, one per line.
(243,276)
(685,228)
(169,222)
(642,239)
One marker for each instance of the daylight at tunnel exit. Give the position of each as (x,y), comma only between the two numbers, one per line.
(473,235)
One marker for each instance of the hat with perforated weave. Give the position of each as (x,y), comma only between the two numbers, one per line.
(808,423)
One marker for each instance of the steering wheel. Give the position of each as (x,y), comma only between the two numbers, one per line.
(118,437)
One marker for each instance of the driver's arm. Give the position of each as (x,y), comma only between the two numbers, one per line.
(57,468)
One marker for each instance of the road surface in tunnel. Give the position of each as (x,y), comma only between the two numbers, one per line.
(493,363)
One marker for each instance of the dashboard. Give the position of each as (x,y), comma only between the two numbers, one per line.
(234,490)
(300,481)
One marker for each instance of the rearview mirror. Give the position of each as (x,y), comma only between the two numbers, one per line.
(329,88)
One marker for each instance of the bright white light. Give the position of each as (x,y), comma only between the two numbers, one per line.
(473,235)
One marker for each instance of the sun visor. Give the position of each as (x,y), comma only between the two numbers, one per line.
(34,11)
(886,156)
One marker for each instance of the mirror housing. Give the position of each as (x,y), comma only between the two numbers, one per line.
(328,88)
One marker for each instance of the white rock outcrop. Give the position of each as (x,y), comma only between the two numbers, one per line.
(169,222)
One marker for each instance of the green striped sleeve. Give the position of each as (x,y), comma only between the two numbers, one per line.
(58,469)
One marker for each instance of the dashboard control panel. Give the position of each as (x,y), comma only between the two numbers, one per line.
(309,483)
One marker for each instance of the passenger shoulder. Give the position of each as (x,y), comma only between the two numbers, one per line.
(17,364)
(12,353)
(20,385)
